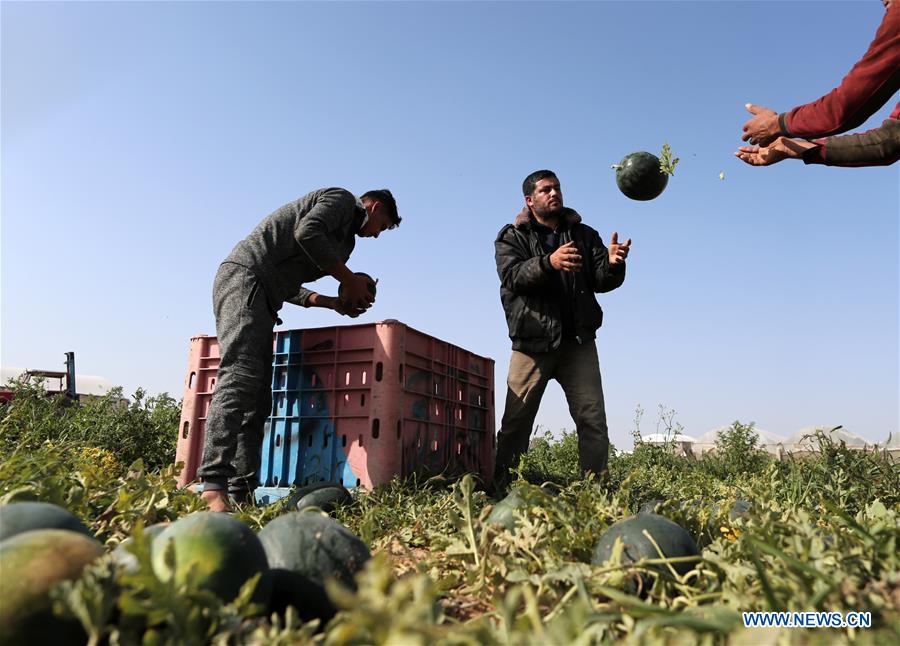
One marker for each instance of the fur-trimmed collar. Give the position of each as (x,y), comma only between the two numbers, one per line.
(524,219)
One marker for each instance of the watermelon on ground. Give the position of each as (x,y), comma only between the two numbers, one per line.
(502,513)
(325,498)
(18,517)
(128,561)
(304,549)
(31,564)
(219,551)
(672,539)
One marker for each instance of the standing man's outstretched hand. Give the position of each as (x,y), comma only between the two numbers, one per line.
(618,251)
(763,128)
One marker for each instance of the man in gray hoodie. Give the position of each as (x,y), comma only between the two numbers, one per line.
(299,243)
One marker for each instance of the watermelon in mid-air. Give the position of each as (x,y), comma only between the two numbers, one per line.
(640,177)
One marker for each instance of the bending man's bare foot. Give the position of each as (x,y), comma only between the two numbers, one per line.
(216,500)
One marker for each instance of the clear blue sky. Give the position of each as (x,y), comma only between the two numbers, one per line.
(141,141)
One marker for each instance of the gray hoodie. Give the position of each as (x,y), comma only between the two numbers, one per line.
(299,241)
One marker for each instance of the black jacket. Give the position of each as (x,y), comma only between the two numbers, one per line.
(529,286)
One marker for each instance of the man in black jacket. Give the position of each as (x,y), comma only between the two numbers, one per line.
(550,266)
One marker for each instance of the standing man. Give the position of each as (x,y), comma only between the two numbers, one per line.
(550,265)
(299,243)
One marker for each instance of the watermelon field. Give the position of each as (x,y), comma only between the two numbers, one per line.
(449,565)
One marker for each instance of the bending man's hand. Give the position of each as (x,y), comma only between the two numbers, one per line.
(781,148)
(763,128)
(356,291)
(618,251)
(345,309)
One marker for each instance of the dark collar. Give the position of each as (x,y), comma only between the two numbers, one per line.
(525,218)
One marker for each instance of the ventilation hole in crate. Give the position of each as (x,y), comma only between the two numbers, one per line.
(398,429)
(277,440)
(347,398)
(364,377)
(459,396)
(325,441)
(212,383)
(435,388)
(309,443)
(401,373)
(185,429)
(362,399)
(282,378)
(437,411)
(347,378)
(458,448)
(191,380)
(275,480)
(433,447)
(376,428)
(479,400)
(343,440)
(312,380)
(358,482)
(459,413)
(379,369)
(360,440)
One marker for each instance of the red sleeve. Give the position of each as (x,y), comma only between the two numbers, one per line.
(867,87)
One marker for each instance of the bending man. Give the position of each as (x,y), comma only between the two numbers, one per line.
(299,243)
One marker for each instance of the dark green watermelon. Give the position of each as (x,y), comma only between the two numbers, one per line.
(502,513)
(18,517)
(223,552)
(128,561)
(324,495)
(304,549)
(672,539)
(308,598)
(31,564)
(639,177)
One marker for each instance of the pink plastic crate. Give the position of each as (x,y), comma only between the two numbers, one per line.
(358,404)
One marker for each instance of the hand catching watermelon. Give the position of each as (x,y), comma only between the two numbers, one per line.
(643,176)
(618,251)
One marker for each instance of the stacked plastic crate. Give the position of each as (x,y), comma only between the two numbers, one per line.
(357,404)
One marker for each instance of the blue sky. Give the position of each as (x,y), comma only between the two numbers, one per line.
(141,141)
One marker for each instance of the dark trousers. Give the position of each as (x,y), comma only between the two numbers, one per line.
(576,367)
(242,400)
